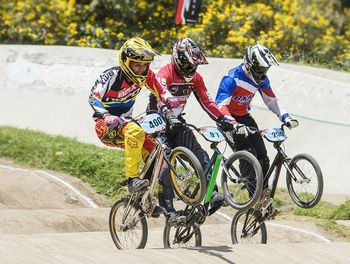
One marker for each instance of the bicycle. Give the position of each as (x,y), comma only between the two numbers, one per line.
(127,218)
(249,225)
(234,172)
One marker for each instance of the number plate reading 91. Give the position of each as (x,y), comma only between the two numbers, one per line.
(152,123)
(275,134)
(212,134)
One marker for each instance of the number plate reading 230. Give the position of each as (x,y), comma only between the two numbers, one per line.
(275,134)
(152,123)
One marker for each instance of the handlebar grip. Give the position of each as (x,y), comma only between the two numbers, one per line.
(252,130)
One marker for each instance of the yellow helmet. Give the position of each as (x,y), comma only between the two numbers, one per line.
(137,50)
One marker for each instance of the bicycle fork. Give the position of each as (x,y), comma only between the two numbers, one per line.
(132,221)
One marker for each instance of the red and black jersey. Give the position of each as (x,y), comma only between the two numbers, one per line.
(182,90)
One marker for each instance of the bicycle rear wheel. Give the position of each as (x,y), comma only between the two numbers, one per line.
(247,228)
(187,176)
(305,186)
(127,225)
(184,236)
(243,182)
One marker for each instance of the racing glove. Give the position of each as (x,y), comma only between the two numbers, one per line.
(291,123)
(113,121)
(175,125)
(225,123)
(172,102)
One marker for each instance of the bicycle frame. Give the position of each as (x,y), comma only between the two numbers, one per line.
(216,160)
(158,154)
(255,217)
(280,159)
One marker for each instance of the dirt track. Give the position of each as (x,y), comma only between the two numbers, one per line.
(37,212)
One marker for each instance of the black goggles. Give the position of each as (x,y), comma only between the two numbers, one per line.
(260,71)
(188,67)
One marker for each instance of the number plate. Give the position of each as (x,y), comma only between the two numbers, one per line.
(212,134)
(152,123)
(274,134)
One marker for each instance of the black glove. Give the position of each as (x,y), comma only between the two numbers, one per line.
(224,123)
(175,125)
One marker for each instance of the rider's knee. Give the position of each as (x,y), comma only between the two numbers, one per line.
(204,159)
(106,136)
(134,131)
(252,150)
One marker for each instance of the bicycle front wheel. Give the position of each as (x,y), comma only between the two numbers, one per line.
(242,181)
(304,181)
(247,228)
(184,236)
(127,225)
(187,176)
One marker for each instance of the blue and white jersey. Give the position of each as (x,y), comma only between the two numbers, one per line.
(236,91)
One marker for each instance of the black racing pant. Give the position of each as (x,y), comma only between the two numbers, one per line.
(186,139)
(254,143)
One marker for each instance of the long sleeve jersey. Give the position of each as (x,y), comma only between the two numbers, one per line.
(112,94)
(182,90)
(236,91)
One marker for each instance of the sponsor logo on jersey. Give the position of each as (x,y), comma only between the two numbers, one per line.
(181,89)
(106,76)
(123,95)
(243,99)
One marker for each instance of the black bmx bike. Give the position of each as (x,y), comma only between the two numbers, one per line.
(304,181)
(127,218)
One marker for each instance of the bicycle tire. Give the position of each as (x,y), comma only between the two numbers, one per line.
(179,241)
(249,235)
(178,157)
(117,234)
(296,196)
(246,191)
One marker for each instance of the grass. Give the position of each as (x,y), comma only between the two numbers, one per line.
(324,214)
(101,167)
(326,210)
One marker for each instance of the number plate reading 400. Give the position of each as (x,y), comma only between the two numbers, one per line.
(152,123)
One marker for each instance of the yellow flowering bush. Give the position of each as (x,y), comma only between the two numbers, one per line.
(311,31)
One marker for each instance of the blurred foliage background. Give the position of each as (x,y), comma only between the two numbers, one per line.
(316,32)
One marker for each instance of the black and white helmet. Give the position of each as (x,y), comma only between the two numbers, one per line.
(257,60)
